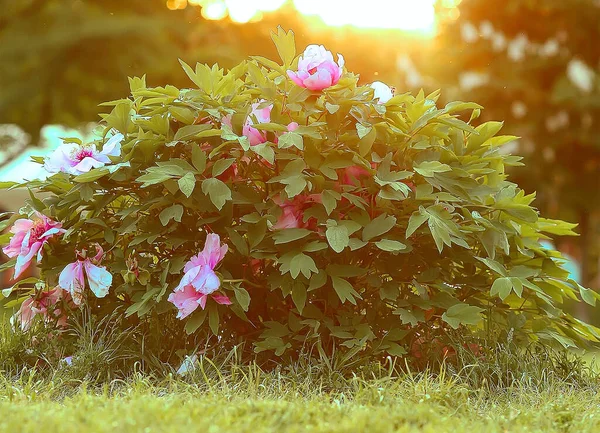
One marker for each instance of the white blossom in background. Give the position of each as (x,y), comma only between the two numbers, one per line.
(470,80)
(517,47)
(558,121)
(469,32)
(519,109)
(486,30)
(550,48)
(581,75)
(498,41)
(405,64)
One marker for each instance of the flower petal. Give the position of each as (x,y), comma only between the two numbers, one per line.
(98,278)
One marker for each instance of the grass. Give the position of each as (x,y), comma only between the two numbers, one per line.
(253,401)
(505,389)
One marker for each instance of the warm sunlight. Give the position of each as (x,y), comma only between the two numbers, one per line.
(408,15)
(378,14)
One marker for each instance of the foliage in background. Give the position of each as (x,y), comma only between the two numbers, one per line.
(354,225)
(536,64)
(52,50)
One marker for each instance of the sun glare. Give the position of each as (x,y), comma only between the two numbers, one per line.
(408,15)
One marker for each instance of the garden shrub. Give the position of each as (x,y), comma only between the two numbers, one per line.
(291,208)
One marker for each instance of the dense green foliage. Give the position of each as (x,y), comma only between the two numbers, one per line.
(405,226)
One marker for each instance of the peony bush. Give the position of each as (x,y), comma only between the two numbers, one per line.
(289,207)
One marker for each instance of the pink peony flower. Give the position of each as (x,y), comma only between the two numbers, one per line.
(382,91)
(29,239)
(99,279)
(75,159)
(200,281)
(317,69)
(352,175)
(262,115)
(292,215)
(44,304)
(292,126)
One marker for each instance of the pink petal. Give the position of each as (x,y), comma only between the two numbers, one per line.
(221,299)
(26,314)
(185,300)
(71,280)
(320,80)
(295,78)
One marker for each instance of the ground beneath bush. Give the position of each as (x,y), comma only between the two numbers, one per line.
(251,404)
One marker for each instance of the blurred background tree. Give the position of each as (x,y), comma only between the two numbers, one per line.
(534,64)
(61,58)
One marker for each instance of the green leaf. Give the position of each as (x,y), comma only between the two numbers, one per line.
(390,245)
(92,175)
(338,238)
(218,191)
(344,290)
(415,221)
(329,199)
(285,44)
(363,130)
(190,131)
(332,108)
(410,317)
(502,287)
(187,184)
(221,165)
(291,139)
(265,150)
(213,318)
(429,168)
(462,314)
(299,295)
(173,212)
(380,225)
(242,297)
(194,322)
(366,142)
(288,235)
(302,263)
(198,158)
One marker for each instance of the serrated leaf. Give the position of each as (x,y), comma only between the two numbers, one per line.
(429,168)
(218,191)
(302,263)
(462,314)
(379,226)
(174,212)
(344,290)
(291,139)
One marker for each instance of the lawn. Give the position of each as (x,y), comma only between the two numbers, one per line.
(252,401)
